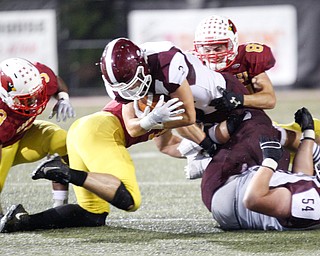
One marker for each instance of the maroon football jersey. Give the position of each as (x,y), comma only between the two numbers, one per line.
(251,60)
(162,60)
(13,125)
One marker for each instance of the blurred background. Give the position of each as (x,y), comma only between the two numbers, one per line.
(69,36)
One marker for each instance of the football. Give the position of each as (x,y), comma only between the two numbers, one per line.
(150,100)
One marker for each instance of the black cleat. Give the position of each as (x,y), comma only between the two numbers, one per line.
(14,220)
(52,169)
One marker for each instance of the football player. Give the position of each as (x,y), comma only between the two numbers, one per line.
(161,68)
(268,198)
(216,45)
(24,93)
(100,168)
(131,72)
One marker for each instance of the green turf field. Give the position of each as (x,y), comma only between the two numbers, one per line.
(172,219)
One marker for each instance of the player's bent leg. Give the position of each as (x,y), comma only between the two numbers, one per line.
(112,162)
(42,139)
(122,198)
(71,215)
(106,186)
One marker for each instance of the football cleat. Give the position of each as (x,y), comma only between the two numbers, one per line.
(52,169)
(14,220)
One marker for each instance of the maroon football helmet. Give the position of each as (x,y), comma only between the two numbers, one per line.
(124,69)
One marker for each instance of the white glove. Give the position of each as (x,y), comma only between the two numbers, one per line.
(162,113)
(196,165)
(62,109)
(188,147)
(138,112)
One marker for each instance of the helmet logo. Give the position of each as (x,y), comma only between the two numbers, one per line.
(45,76)
(232,27)
(7,82)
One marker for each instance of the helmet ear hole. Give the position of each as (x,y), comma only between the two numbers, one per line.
(124,69)
(22,87)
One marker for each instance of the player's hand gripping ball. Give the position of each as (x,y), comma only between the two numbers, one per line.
(150,100)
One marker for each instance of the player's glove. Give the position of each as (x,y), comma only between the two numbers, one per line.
(272,152)
(62,109)
(234,121)
(209,146)
(162,113)
(228,101)
(305,120)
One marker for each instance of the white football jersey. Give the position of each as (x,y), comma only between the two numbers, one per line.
(229,211)
(175,67)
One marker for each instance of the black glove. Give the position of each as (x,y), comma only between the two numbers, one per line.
(228,101)
(208,146)
(272,152)
(304,119)
(234,121)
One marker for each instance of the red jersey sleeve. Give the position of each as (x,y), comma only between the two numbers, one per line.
(50,78)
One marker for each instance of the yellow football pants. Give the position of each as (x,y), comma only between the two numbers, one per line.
(41,139)
(295,127)
(96,143)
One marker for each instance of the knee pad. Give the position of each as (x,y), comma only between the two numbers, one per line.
(122,199)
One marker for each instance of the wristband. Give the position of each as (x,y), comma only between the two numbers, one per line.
(212,133)
(147,123)
(270,163)
(206,143)
(63,96)
(308,134)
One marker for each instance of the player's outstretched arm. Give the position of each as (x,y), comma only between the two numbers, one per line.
(258,196)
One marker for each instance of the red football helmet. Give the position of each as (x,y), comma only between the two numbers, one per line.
(125,70)
(22,87)
(212,33)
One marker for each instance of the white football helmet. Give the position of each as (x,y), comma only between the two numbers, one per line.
(211,32)
(22,87)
